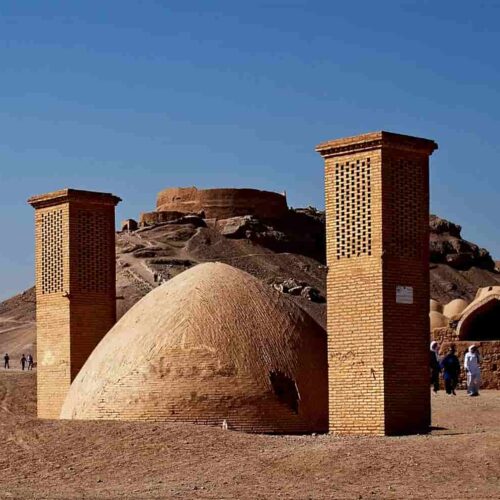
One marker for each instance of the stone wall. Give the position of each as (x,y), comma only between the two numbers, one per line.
(159,217)
(488,350)
(223,203)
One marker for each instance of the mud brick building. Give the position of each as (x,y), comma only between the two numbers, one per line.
(75,286)
(377,208)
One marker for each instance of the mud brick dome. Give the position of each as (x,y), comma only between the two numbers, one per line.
(222,203)
(213,343)
(481,319)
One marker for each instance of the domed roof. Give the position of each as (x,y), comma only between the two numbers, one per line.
(454,307)
(213,343)
(437,320)
(480,320)
(435,306)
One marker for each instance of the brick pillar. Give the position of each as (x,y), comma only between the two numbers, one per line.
(377,219)
(75,286)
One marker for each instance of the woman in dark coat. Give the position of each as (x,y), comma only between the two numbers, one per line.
(451,370)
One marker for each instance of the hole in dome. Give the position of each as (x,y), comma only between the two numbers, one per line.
(484,323)
(285,389)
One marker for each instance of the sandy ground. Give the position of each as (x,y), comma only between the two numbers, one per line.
(64,459)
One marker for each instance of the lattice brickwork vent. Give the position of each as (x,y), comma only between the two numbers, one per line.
(353,217)
(52,252)
(407,210)
(94,241)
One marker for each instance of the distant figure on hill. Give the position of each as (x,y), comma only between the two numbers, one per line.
(434,365)
(471,366)
(6,361)
(23,361)
(451,371)
(30,362)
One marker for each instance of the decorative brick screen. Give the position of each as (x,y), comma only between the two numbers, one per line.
(406,182)
(353,226)
(95,236)
(52,251)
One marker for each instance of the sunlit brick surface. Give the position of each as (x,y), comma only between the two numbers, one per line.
(75,286)
(377,207)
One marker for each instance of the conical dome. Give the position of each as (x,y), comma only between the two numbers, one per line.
(212,344)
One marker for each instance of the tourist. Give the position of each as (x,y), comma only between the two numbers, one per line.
(451,370)
(434,365)
(471,366)
(30,362)
(6,361)
(23,361)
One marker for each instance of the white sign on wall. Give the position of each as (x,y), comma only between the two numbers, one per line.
(404,294)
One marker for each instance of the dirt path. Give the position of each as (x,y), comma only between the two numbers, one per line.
(63,459)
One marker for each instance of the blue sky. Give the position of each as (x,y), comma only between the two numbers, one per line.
(133,96)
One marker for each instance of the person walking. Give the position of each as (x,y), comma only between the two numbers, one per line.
(30,362)
(6,359)
(23,362)
(451,370)
(473,370)
(434,365)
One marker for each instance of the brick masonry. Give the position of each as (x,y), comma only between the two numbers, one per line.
(75,286)
(212,344)
(488,350)
(377,208)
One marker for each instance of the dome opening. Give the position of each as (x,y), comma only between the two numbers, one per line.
(285,389)
(482,323)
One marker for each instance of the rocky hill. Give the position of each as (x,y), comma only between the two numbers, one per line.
(287,253)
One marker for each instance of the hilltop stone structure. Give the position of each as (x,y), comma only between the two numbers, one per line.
(75,286)
(212,344)
(377,222)
(215,204)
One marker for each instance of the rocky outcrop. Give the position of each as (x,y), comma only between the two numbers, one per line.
(447,246)
(300,288)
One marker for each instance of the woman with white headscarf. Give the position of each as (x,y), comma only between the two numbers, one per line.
(471,365)
(434,365)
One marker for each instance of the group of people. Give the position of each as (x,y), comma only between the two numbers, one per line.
(449,365)
(26,362)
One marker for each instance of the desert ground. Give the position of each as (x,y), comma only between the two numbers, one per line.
(460,458)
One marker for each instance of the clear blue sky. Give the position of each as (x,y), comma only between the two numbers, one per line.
(133,96)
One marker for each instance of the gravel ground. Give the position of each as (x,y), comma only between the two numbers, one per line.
(460,458)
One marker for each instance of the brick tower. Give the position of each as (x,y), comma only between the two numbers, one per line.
(377,216)
(75,286)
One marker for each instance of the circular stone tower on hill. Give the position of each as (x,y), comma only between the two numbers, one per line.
(222,203)
(213,343)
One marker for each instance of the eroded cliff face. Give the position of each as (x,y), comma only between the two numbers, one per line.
(448,247)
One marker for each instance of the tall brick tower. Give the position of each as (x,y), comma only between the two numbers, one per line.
(377,216)
(75,286)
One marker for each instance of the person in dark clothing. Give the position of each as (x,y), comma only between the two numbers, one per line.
(6,361)
(434,365)
(23,361)
(451,370)
(30,362)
